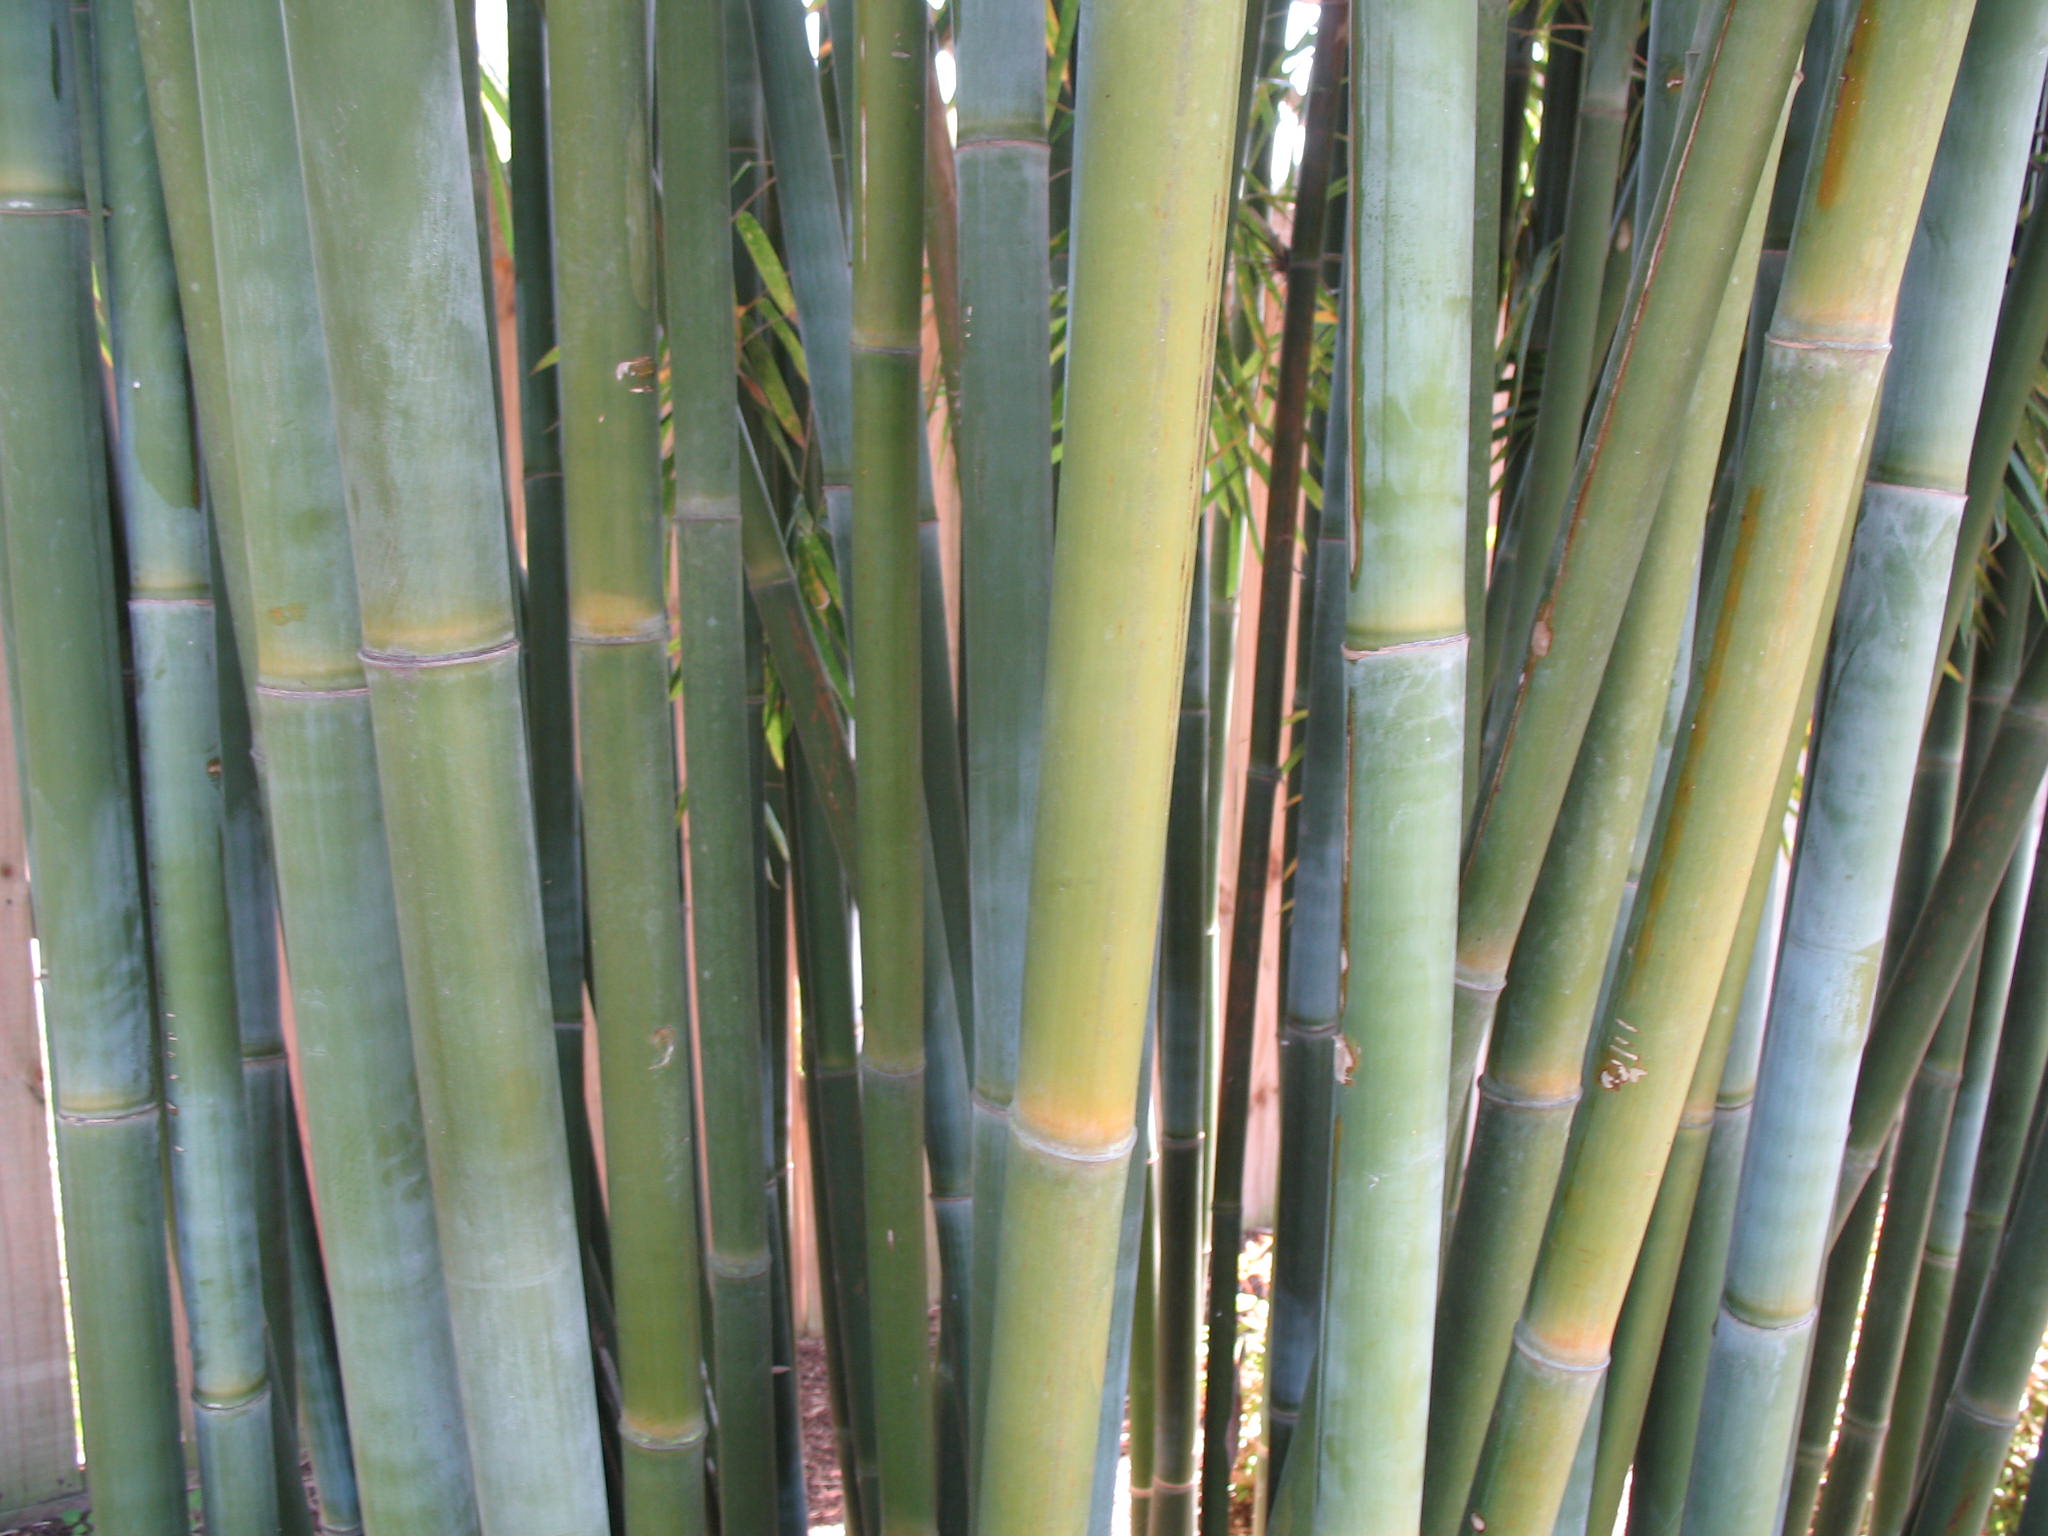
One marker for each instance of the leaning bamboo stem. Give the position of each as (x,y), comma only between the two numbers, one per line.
(1531,1085)
(1160,124)
(239,232)
(1571,363)
(1747,57)
(1933,956)
(1857,793)
(64,662)
(2008,1115)
(394,253)
(1978,1420)
(1658,1432)
(1915,1398)
(1813,413)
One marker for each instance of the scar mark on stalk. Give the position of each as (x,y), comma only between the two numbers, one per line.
(1620,1065)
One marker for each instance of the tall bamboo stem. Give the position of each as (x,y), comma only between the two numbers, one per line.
(2008,1115)
(171,629)
(380,112)
(1141,332)
(1915,1399)
(1005,439)
(1263,773)
(1532,1082)
(1571,362)
(889,825)
(64,662)
(1315,962)
(544,608)
(1978,1420)
(1185,998)
(1658,1437)
(227,147)
(1747,57)
(1414,99)
(1856,797)
(1813,414)
(600,147)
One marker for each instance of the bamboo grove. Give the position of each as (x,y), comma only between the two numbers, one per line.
(765,647)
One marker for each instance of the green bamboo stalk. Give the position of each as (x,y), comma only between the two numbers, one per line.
(1004,433)
(1933,956)
(949,1154)
(1314,976)
(1140,339)
(1118,1410)
(1881,1335)
(1666,68)
(1532,257)
(888,228)
(1571,365)
(1726,1070)
(1264,754)
(1841,1301)
(322,1411)
(1667,1423)
(1812,418)
(2015,1085)
(2034,1513)
(65,668)
(238,222)
(544,605)
(1533,1076)
(1930,817)
(1414,95)
(1978,1420)
(1142,1388)
(171,629)
(1747,54)
(392,248)
(1820,61)
(1515,80)
(814,232)
(266,1073)
(794,648)
(1489,157)
(1913,1399)
(600,147)
(832,1105)
(1857,794)
(1185,1011)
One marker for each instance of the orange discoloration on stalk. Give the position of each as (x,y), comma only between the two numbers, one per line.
(1848,108)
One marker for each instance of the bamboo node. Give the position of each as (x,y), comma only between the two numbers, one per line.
(393,661)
